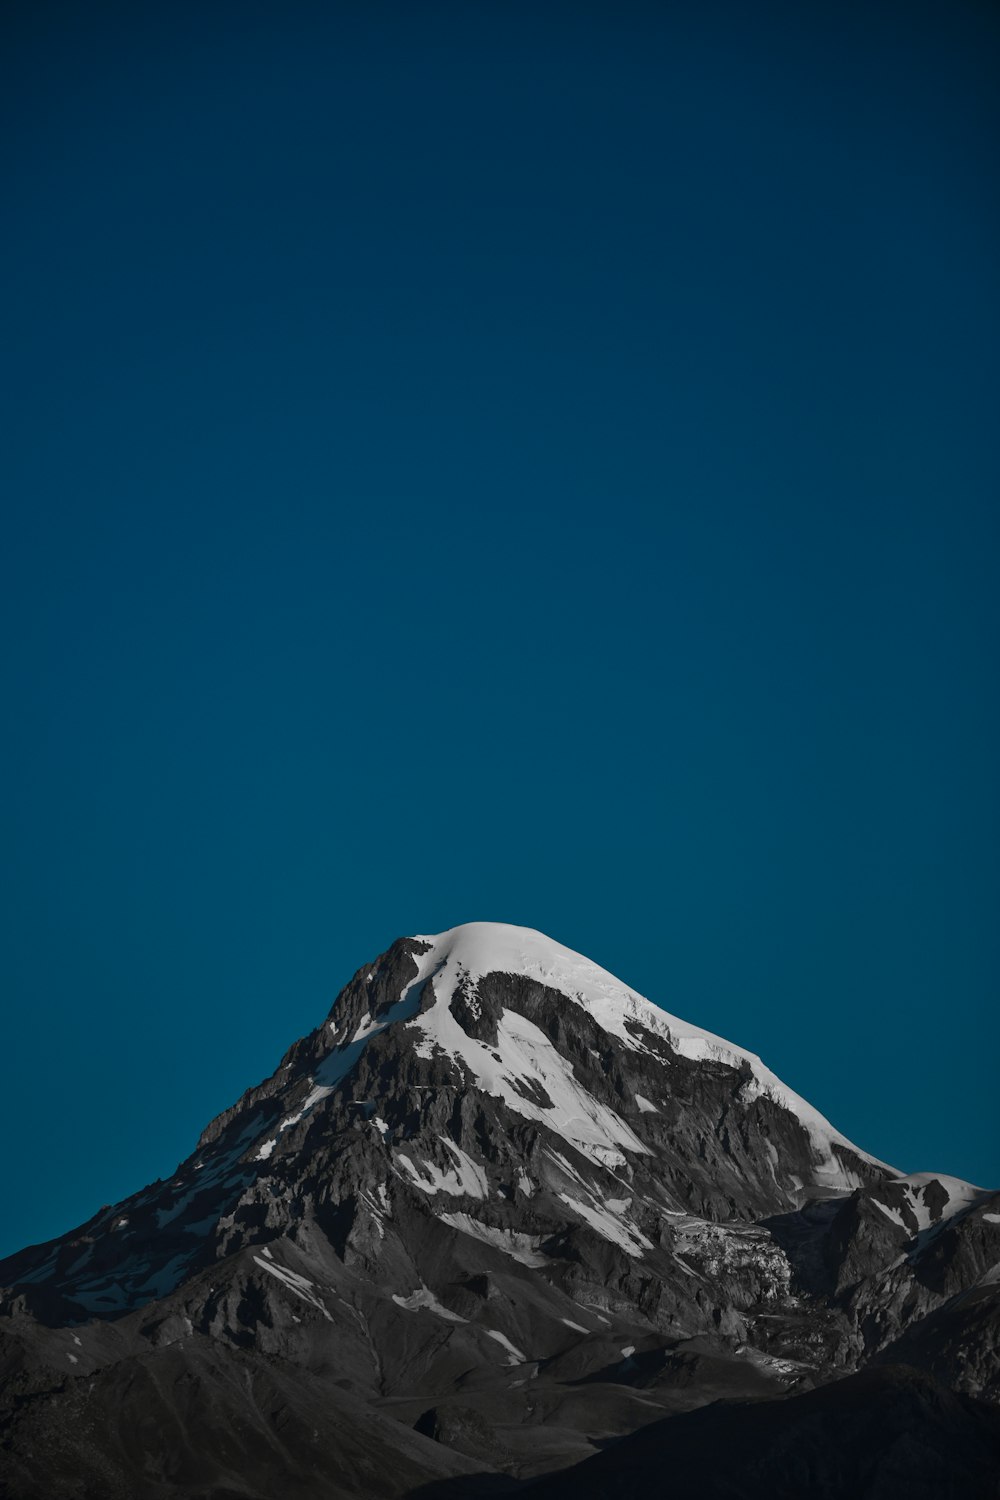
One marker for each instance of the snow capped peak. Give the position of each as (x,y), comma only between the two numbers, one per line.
(521,1066)
(500,947)
(464,954)
(477,948)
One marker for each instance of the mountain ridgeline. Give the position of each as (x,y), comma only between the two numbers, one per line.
(498,1226)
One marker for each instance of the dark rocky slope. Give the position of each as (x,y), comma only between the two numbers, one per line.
(878,1435)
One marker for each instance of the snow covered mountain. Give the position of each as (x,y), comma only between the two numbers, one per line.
(496,1210)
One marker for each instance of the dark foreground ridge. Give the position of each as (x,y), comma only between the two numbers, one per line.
(501,1227)
(881,1433)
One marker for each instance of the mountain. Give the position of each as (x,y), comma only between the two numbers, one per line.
(497,1212)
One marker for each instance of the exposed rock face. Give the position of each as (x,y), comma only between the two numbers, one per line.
(505,1209)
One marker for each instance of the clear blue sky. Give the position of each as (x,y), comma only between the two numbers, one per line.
(528,462)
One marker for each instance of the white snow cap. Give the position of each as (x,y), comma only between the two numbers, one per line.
(462,955)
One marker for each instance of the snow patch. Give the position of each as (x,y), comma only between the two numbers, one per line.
(168,1215)
(423,1297)
(924,1200)
(516,1357)
(164,1280)
(521,1247)
(378,1210)
(609,1226)
(465,1179)
(568,1168)
(300,1285)
(892,1214)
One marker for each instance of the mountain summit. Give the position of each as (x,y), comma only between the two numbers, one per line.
(496,1211)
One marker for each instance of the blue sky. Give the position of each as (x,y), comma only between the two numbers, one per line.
(509,462)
